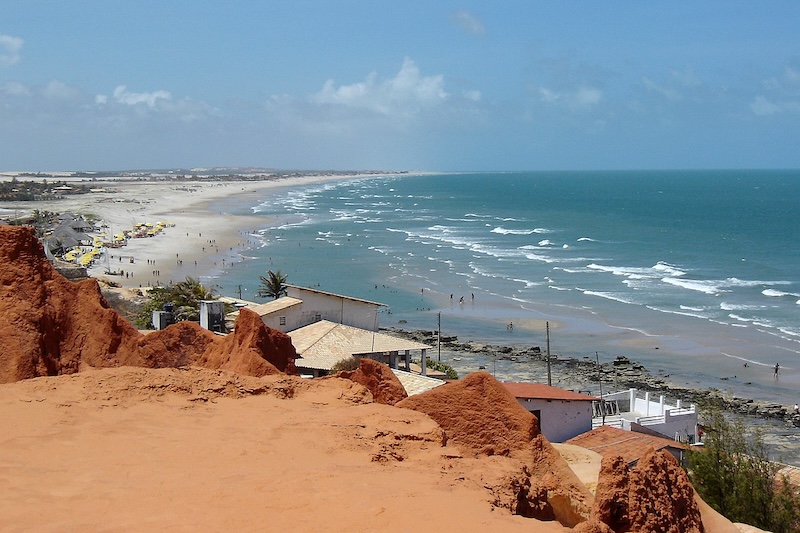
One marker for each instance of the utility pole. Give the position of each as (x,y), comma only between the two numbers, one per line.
(549,375)
(439,337)
(600,379)
(240,292)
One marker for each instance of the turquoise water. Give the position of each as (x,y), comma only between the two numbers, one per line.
(693,273)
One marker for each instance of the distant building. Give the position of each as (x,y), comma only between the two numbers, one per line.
(562,414)
(323,344)
(640,411)
(283,314)
(320,305)
(630,445)
(327,328)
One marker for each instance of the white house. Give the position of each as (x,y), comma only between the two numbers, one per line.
(323,344)
(320,305)
(643,412)
(282,314)
(562,414)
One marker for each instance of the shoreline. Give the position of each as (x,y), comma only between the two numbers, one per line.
(217,239)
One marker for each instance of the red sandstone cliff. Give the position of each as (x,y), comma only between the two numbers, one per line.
(379,379)
(655,495)
(51,326)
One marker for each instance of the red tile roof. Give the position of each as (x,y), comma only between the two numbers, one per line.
(608,440)
(540,391)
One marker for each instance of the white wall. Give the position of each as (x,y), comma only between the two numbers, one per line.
(338,309)
(561,419)
(293,316)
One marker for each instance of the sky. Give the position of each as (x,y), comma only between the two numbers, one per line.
(401,85)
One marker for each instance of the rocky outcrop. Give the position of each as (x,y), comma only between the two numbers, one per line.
(52,326)
(478,414)
(379,379)
(181,344)
(252,349)
(655,495)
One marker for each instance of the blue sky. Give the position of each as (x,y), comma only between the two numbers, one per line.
(411,85)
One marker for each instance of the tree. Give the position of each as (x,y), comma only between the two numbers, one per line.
(184,295)
(274,285)
(733,474)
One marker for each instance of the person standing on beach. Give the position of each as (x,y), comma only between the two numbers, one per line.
(777,367)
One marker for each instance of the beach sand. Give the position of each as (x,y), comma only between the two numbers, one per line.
(201,241)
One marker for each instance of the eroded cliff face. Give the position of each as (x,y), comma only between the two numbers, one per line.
(378,379)
(655,495)
(479,415)
(51,326)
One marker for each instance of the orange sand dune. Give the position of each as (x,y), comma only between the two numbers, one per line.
(196,449)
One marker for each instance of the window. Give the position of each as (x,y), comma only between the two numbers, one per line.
(317,317)
(283,321)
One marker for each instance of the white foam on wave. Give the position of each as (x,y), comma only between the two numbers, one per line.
(540,257)
(706,287)
(504,231)
(607,296)
(545,242)
(772,293)
(725,306)
(558,288)
(674,312)
(586,239)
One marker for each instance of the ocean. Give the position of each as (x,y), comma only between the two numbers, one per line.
(692,273)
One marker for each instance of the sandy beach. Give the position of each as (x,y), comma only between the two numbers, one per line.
(196,242)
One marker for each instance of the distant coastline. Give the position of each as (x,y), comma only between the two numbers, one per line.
(217,240)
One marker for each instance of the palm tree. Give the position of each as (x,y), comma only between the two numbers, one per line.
(273,285)
(186,296)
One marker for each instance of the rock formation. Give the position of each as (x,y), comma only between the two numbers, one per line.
(253,349)
(52,326)
(478,414)
(379,379)
(655,495)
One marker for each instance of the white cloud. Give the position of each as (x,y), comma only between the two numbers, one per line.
(473,96)
(761,106)
(123,96)
(667,92)
(13,88)
(792,75)
(578,99)
(469,23)
(9,50)
(548,96)
(405,94)
(58,90)
(685,77)
(587,96)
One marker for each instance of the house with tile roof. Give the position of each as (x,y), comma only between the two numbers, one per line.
(630,445)
(562,414)
(326,328)
(323,344)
